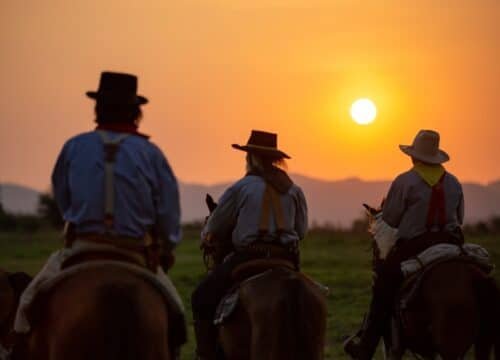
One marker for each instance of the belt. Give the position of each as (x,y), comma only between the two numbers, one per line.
(271,250)
(122,242)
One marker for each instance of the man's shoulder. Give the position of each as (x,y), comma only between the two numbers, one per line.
(406,177)
(247,180)
(453,179)
(92,137)
(82,137)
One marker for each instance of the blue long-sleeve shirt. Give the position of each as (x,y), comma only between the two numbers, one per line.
(145,188)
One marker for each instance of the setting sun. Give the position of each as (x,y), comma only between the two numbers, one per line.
(363,111)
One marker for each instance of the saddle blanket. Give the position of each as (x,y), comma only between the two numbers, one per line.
(441,252)
(52,273)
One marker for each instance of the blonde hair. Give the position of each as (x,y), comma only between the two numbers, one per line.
(263,163)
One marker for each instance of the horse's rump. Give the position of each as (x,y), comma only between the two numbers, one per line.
(280,315)
(443,313)
(95,314)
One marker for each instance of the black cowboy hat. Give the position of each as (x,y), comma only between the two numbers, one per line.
(117,88)
(263,143)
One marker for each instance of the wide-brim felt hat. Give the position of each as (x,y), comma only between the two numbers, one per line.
(425,148)
(117,88)
(262,143)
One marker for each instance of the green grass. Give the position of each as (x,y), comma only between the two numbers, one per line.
(341,262)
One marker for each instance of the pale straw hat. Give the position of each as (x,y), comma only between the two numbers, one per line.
(425,148)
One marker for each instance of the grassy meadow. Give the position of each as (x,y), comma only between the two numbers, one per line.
(339,261)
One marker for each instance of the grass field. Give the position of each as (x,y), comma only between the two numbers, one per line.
(340,261)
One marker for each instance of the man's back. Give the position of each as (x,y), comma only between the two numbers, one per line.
(145,189)
(407,204)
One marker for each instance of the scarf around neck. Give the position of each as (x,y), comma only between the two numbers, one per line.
(431,174)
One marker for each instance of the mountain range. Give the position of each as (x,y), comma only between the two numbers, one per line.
(336,203)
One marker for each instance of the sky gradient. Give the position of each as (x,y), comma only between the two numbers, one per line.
(214,70)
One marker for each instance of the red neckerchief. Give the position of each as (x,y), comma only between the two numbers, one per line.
(437,206)
(122,128)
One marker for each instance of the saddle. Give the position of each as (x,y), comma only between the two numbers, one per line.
(406,317)
(107,249)
(144,253)
(257,266)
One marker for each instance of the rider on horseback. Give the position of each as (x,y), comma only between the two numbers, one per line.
(116,191)
(264,215)
(426,206)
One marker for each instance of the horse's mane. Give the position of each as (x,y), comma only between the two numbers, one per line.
(298,320)
(118,308)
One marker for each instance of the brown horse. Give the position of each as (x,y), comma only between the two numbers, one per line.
(96,314)
(11,287)
(281,314)
(457,307)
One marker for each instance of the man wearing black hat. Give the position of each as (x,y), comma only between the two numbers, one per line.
(424,207)
(264,208)
(115,190)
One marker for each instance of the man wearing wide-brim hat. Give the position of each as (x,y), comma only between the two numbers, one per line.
(263,210)
(116,191)
(424,207)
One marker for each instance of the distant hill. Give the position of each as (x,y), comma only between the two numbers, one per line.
(495,186)
(18,199)
(333,202)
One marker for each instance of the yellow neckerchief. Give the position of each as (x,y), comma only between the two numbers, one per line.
(429,173)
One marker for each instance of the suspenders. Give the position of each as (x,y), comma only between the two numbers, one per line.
(271,202)
(111,147)
(150,248)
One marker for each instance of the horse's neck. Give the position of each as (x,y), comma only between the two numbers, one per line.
(385,236)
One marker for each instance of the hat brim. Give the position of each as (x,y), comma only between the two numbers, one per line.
(261,150)
(439,158)
(137,100)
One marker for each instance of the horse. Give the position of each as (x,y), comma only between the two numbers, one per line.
(11,287)
(99,313)
(281,314)
(456,308)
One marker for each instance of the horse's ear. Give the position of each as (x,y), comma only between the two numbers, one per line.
(382,204)
(7,297)
(371,211)
(211,204)
(19,281)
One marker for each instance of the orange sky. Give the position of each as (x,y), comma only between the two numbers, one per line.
(213,70)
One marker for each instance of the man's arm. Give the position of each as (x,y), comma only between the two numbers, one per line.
(167,203)
(60,187)
(395,204)
(222,219)
(461,208)
(301,220)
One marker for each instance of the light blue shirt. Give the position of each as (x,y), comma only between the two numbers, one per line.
(239,211)
(407,204)
(146,191)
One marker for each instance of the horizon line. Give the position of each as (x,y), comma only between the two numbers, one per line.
(292,174)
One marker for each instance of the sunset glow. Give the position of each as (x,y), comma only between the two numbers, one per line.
(214,70)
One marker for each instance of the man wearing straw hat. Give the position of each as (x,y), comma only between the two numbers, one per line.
(253,224)
(424,206)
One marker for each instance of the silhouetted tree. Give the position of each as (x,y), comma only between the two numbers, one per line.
(359,226)
(495,225)
(48,210)
(7,221)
